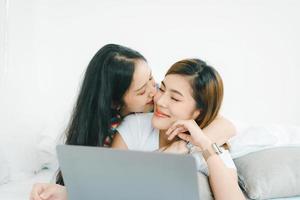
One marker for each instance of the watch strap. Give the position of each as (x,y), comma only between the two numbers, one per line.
(210,151)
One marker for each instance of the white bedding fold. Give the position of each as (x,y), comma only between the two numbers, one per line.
(20,189)
(255,138)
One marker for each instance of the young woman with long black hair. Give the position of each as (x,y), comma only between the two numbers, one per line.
(117,82)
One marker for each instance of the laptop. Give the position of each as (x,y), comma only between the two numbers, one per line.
(95,173)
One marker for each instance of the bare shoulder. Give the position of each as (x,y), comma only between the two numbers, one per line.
(118,142)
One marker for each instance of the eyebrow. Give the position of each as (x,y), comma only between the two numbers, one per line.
(145,83)
(172,90)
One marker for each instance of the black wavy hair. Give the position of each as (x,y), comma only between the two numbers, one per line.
(107,78)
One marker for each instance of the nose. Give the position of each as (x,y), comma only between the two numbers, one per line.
(161,100)
(153,89)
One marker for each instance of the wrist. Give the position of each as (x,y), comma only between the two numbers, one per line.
(205,144)
(211,151)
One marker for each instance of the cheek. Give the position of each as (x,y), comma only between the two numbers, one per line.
(126,100)
(175,112)
(130,101)
(180,111)
(138,104)
(135,102)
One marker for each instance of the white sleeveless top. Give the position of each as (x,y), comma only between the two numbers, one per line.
(139,134)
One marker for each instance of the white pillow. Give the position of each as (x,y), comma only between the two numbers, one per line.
(29,153)
(46,151)
(271,173)
(255,138)
(18,141)
(47,140)
(4,170)
(21,155)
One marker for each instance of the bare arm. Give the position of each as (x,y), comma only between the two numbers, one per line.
(118,142)
(223,180)
(220,130)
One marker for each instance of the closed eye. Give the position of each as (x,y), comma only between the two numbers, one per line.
(142,92)
(174,99)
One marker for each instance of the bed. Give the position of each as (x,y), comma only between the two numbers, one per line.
(20,189)
(30,157)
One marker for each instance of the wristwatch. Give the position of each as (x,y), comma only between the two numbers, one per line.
(214,149)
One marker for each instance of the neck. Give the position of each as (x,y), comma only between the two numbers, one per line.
(163,139)
(124,112)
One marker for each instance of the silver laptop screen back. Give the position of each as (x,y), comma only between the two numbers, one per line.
(95,173)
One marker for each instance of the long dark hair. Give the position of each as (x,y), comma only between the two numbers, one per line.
(107,78)
(207,87)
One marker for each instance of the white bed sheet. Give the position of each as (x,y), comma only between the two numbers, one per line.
(20,189)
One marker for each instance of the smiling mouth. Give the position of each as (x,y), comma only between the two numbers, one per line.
(160,114)
(150,102)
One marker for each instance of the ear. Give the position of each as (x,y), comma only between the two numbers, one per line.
(196,113)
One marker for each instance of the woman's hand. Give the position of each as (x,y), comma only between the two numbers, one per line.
(196,136)
(177,147)
(47,191)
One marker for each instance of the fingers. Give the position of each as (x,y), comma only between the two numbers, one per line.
(43,191)
(176,127)
(37,189)
(185,137)
(175,132)
(181,126)
(47,194)
(171,129)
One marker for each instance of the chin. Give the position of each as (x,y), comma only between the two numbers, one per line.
(149,108)
(159,123)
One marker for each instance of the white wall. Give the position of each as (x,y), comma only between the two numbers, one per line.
(3,38)
(254,44)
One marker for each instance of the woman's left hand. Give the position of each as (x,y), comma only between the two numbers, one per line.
(196,136)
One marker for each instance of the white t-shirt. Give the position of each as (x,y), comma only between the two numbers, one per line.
(139,134)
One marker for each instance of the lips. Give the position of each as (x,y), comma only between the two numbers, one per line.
(160,114)
(150,102)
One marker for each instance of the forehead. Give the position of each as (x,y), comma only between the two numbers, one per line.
(179,83)
(141,74)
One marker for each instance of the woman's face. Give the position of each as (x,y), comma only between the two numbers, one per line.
(139,96)
(174,101)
